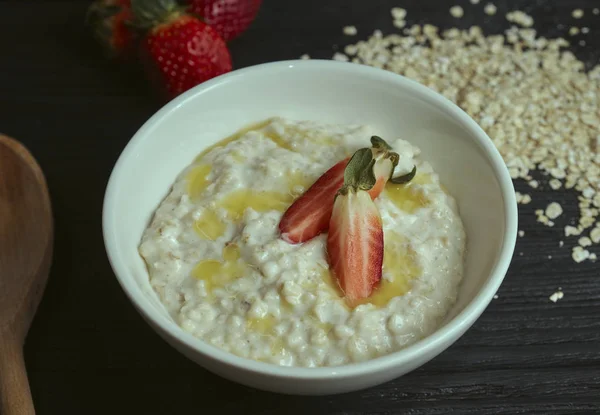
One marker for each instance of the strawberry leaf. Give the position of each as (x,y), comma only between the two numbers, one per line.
(359,172)
(379,143)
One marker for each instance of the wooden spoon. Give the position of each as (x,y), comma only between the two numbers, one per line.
(26,236)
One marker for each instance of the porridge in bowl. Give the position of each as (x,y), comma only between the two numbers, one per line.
(307,244)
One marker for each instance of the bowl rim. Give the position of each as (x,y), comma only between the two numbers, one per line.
(431,345)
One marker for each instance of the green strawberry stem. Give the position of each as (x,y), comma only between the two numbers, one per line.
(381,146)
(95,18)
(405,178)
(151,13)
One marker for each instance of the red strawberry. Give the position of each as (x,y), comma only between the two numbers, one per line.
(179,51)
(355,239)
(309,215)
(228,17)
(107,19)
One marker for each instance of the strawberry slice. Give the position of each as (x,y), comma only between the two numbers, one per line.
(355,239)
(309,215)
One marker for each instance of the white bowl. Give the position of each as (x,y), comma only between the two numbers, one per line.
(459,150)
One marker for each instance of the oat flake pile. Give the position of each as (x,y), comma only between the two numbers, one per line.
(532,97)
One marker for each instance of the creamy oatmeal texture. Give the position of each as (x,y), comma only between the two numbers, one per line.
(217,262)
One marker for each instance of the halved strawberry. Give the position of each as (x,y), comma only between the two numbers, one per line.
(355,239)
(309,215)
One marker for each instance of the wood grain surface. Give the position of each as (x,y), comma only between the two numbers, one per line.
(89,352)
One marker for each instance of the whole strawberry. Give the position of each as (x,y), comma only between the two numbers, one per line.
(107,20)
(178,50)
(228,17)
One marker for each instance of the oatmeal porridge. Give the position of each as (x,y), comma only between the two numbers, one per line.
(227,274)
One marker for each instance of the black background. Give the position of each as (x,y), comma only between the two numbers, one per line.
(88,350)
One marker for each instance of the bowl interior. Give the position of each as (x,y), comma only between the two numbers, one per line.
(469,167)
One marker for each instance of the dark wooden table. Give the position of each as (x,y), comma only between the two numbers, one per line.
(89,351)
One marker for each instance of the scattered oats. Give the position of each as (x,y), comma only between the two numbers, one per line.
(536,100)
(582,42)
(340,57)
(584,241)
(520,18)
(554,210)
(595,235)
(534,184)
(399,23)
(593,257)
(560,244)
(585,221)
(585,30)
(520,253)
(574,30)
(474,1)
(521,233)
(555,184)
(558,173)
(522,198)
(415,30)
(496,297)
(350,30)
(351,50)
(490,9)
(518,196)
(557,296)
(579,254)
(541,218)
(549,256)
(398,13)
(596,11)
(588,192)
(305,56)
(457,11)
(577,13)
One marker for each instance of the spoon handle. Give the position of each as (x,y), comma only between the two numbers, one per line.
(15,395)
